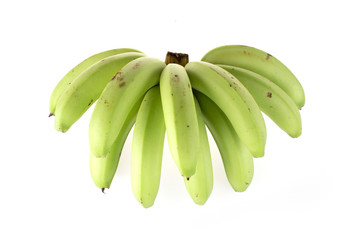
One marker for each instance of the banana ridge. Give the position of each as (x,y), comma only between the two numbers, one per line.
(260,62)
(235,101)
(147,148)
(272,100)
(237,159)
(180,118)
(200,185)
(117,99)
(63,84)
(87,87)
(103,169)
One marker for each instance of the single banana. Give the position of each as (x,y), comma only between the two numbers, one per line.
(103,169)
(117,100)
(87,87)
(77,70)
(234,100)
(147,148)
(237,159)
(200,185)
(272,100)
(182,128)
(262,63)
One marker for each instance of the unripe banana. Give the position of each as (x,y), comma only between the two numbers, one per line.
(237,159)
(200,185)
(182,128)
(147,148)
(77,70)
(234,100)
(116,101)
(87,87)
(272,100)
(262,63)
(103,169)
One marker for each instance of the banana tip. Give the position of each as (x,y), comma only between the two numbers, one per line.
(51,114)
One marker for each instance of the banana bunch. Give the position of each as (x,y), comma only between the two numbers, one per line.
(226,92)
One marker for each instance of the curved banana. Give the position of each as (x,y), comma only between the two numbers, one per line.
(272,100)
(116,101)
(182,128)
(200,185)
(147,148)
(77,70)
(234,99)
(237,159)
(262,63)
(87,87)
(103,169)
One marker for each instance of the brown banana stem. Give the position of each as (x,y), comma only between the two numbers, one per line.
(178,58)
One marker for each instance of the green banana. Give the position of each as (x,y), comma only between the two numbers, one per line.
(147,148)
(237,159)
(103,169)
(262,63)
(200,185)
(87,87)
(180,118)
(272,100)
(117,99)
(234,99)
(77,70)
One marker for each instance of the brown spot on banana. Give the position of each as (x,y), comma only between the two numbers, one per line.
(115,76)
(136,65)
(175,78)
(91,101)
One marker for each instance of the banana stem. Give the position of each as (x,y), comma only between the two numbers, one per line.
(178,58)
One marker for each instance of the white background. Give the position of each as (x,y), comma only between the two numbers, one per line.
(304,188)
